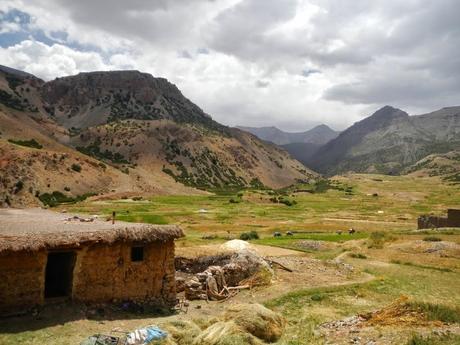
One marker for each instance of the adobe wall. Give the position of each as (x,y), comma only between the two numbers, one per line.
(106,273)
(22,278)
(102,273)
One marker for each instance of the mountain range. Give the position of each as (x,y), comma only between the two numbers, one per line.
(388,141)
(318,135)
(122,132)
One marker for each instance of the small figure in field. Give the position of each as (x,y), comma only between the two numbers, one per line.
(289,233)
(339,232)
(351,231)
(277,234)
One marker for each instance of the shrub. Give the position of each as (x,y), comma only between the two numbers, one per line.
(76,167)
(432,239)
(251,235)
(357,256)
(234,201)
(18,187)
(317,297)
(287,202)
(27,143)
(378,238)
(57,198)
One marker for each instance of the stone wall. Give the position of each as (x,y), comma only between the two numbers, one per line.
(451,221)
(102,273)
(22,279)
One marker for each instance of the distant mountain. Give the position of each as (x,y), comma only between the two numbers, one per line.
(301,151)
(318,135)
(122,132)
(389,141)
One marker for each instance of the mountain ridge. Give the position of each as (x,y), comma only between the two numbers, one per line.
(123,132)
(389,141)
(317,135)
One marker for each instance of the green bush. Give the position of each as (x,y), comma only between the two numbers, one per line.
(432,239)
(251,235)
(378,238)
(357,256)
(27,143)
(56,198)
(317,297)
(18,187)
(76,167)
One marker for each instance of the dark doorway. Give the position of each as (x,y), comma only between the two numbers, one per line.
(59,274)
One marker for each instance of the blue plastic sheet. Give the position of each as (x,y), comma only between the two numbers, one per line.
(146,335)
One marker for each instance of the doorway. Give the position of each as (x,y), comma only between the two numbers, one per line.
(59,274)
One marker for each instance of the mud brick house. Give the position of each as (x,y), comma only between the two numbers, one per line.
(46,257)
(451,221)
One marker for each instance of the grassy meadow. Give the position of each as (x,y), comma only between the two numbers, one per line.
(366,203)
(386,249)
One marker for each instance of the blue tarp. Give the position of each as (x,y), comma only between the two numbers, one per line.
(146,335)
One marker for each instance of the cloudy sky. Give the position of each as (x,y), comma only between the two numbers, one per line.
(289,63)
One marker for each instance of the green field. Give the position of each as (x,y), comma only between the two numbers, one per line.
(365,202)
(382,209)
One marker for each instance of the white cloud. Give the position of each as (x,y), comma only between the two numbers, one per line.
(260,62)
(48,62)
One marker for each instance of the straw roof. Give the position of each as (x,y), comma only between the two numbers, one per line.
(34,229)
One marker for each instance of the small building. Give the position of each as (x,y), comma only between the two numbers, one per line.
(451,221)
(46,256)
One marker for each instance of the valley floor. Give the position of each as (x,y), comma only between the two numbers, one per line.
(409,278)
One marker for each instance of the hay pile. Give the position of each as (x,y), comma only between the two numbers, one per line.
(249,324)
(412,313)
(397,313)
(244,324)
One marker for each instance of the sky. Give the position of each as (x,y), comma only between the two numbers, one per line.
(286,63)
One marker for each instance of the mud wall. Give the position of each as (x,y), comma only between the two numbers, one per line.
(106,273)
(22,280)
(102,273)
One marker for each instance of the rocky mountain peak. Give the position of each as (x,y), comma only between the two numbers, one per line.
(89,99)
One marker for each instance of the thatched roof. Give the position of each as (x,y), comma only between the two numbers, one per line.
(34,229)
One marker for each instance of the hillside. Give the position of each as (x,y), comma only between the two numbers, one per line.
(446,166)
(122,132)
(318,135)
(389,141)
